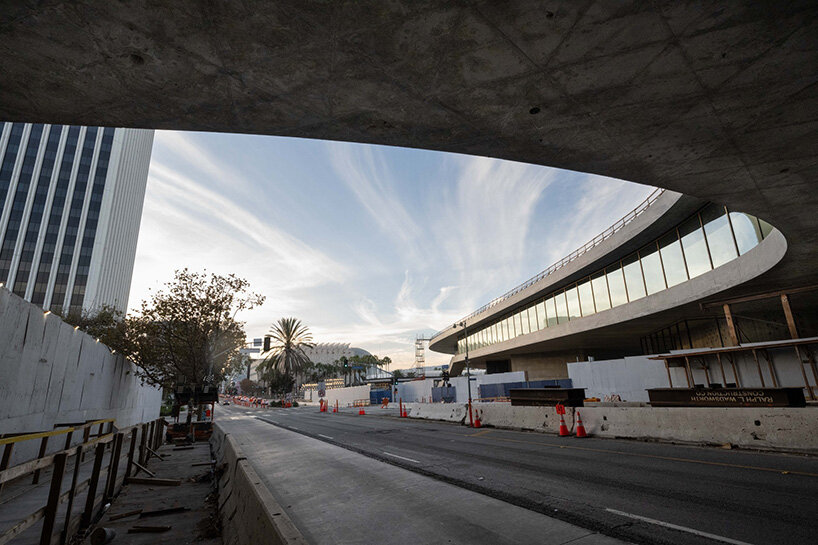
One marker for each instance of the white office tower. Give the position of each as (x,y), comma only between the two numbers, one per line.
(70,206)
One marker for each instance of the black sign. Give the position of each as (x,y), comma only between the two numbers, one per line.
(548,397)
(727,397)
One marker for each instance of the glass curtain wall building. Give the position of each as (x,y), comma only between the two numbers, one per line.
(70,205)
(708,239)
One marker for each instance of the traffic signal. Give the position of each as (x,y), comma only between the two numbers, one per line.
(445,376)
(267,340)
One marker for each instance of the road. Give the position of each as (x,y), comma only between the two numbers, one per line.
(637,491)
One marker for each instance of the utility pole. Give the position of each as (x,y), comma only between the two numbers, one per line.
(468,369)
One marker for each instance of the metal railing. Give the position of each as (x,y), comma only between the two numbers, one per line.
(601,237)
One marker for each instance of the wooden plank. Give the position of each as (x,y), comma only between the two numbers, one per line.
(72,492)
(145,469)
(29,436)
(50,514)
(150,480)
(113,466)
(43,447)
(731,326)
(785,303)
(88,514)
(757,297)
(131,448)
(124,515)
(4,463)
(148,529)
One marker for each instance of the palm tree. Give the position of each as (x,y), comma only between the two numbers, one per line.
(289,338)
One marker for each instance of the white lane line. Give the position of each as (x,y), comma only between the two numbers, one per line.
(680,528)
(401,457)
(325,436)
(293,428)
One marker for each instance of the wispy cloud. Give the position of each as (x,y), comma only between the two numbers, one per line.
(363,244)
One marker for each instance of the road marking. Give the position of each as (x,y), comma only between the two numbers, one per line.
(653,456)
(680,528)
(326,436)
(293,428)
(401,457)
(478,433)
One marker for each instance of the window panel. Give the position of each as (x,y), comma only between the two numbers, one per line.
(562,307)
(518,325)
(572,298)
(633,277)
(719,236)
(541,316)
(747,231)
(694,247)
(616,284)
(508,329)
(672,260)
(586,298)
(600,287)
(551,311)
(652,268)
(524,318)
(532,319)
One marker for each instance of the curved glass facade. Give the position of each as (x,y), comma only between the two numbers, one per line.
(710,238)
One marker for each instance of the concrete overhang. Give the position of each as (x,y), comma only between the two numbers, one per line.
(714,100)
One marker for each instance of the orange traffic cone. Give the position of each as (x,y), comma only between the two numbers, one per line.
(563,428)
(580,427)
(361,411)
(477,422)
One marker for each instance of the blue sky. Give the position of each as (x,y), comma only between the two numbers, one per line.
(370,245)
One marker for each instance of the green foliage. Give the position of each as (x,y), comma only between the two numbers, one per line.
(186,334)
(289,338)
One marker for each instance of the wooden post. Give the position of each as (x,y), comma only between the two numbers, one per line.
(803,373)
(706,372)
(689,373)
(669,380)
(4,463)
(113,467)
(721,366)
(68,437)
(149,443)
(731,326)
(735,371)
(770,366)
(131,449)
(88,514)
(758,365)
(43,446)
(86,434)
(142,443)
(785,302)
(71,493)
(50,514)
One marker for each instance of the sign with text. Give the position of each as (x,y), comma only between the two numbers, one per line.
(727,397)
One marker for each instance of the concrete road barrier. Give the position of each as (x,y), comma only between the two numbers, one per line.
(249,513)
(782,429)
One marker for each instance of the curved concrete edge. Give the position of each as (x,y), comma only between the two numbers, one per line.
(249,513)
(777,429)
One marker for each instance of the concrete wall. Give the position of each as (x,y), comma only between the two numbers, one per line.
(540,366)
(786,429)
(249,513)
(51,373)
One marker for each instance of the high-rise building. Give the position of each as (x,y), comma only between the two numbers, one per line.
(70,205)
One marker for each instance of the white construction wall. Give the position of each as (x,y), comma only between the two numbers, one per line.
(51,373)
(629,377)
(345,396)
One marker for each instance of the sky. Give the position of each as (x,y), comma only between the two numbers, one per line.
(370,245)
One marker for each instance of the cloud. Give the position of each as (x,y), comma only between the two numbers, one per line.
(366,173)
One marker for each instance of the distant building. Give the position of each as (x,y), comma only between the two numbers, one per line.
(331,352)
(70,206)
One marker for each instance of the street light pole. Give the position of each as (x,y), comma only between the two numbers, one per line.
(468,368)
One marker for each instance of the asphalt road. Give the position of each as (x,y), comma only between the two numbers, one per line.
(637,491)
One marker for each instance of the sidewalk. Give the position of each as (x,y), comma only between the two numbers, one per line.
(194,522)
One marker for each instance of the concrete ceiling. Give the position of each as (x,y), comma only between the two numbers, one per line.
(714,99)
